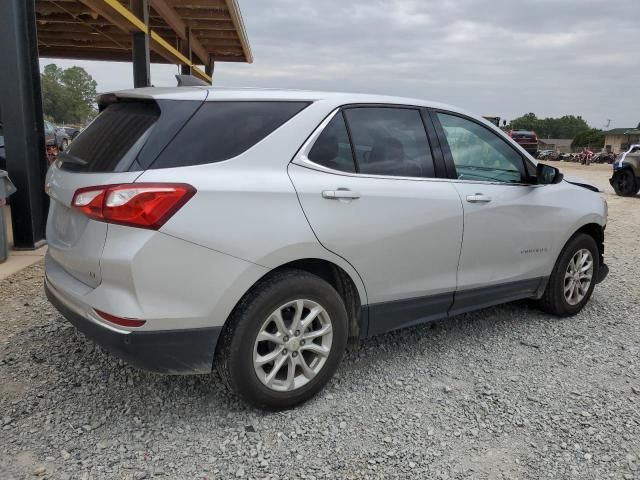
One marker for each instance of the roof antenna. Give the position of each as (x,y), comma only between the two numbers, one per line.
(190,81)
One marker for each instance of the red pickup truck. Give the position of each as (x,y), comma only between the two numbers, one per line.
(527,139)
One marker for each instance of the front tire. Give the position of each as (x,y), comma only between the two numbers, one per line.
(624,183)
(284,340)
(573,278)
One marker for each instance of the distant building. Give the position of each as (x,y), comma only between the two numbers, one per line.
(562,145)
(619,139)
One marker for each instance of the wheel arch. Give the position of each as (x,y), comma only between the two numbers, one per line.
(348,285)
(596,231)
(589,225)
(338,278)
(632,167)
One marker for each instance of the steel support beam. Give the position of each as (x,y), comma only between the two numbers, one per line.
(185,44)
(175,22)
(123,18)
(209,67)
(140,46)
(22,121)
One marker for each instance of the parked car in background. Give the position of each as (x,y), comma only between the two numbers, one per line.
(50,135)
(548,155)
(62,139)
(242,229)
(527,139)
(626,172)
(72,132)
(55,137)
(603,157)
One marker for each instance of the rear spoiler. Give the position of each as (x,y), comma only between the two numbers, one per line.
(190,81)
(195,92)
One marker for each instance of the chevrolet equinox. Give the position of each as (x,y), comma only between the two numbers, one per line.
(258,231)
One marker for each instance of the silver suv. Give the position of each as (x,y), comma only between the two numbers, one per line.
(259,231)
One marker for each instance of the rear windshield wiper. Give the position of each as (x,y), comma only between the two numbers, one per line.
(65,157)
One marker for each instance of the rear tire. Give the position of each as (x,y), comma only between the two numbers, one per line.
(270,311)
(567,293)
(624,183)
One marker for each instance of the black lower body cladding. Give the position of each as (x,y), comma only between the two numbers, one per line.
(164,351)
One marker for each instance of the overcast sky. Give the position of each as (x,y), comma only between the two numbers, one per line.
(498,57)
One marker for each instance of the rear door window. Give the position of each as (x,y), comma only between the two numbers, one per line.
(332,149)
(390,141)
(221,130)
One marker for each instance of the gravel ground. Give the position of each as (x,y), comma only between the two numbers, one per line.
(504,393)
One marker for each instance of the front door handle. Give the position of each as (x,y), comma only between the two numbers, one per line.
(340,194)
(478,198)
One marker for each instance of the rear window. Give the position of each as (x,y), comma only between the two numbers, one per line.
(523,135)
(113,138)
(221,130)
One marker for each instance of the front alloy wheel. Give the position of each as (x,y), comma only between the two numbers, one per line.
(577,278)
(572,280)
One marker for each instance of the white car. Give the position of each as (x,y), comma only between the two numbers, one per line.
(258,230)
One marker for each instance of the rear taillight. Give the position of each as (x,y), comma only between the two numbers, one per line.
(143,205)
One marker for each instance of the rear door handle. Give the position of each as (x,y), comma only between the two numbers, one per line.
(478,198)
(340,194)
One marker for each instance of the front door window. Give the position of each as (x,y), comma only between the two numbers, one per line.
(480,154)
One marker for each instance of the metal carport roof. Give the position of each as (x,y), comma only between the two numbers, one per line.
(186,32)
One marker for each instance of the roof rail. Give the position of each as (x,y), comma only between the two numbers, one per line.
(190,81)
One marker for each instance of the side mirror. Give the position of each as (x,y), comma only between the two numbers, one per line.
(546,174)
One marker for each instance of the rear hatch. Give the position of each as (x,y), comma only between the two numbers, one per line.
(117,147)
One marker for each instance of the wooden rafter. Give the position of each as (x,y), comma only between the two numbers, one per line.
(79,27)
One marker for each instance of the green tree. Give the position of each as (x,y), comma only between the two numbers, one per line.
(68,95)
(592,138)
(567,126)
(525,122)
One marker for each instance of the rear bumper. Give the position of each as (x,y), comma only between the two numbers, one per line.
(163,351)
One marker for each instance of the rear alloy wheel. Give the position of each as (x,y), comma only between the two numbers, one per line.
(292,345)
(284,340)
(573,278)
(624,183)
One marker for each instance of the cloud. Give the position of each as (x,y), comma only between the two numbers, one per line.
(506,58)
